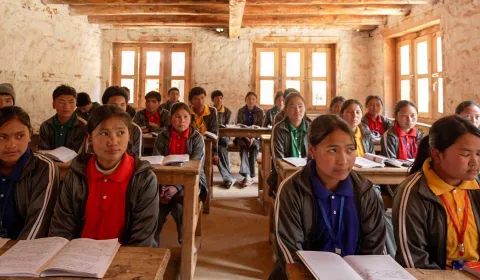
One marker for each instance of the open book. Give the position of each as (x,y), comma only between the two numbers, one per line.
(295,161)
(210,135)
(56,256)
(330,266)
(370,160)
(176,160)
(61,154)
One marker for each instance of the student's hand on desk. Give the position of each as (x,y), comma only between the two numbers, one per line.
(167,193)
(153,124)
(215,160)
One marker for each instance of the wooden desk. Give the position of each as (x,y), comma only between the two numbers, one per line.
(263,187)
(245,132)
(34,141)
(129,263)
(148,140)
(209,142)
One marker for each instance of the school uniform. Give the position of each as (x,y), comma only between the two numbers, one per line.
(278,117)
(364,140)
(207,121)
(54,134)
(86,115)
(168,105)
(400,145)
(27,197)
(379,124)
(143,118)
(305,209)
(131,111)
(424,230)
(223,116)
(270,116)
(122,203)
(249,155)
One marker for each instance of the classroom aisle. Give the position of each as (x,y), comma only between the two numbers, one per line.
(235,240)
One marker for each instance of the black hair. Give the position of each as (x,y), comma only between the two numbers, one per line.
(291,96)
(324,125)
(14,112)
(83,99)
(335,100)
(105,112)
(465,104)
(216,93)
(401,104)
(350,102)
(196,91)
(278,95)
(370,97)
(153,95)
(114,91)
(126,89)
(172,89)
(288,91)
(250,93)
(177,106)
(64,90)
(443,134)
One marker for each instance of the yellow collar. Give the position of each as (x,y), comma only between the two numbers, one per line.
(206,112)
(222,110)
(358,132)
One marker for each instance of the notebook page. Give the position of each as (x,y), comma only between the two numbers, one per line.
(176,158)
(154,160)
(327,266)
(63,154)
(365,163)
(379,267)
(296,161)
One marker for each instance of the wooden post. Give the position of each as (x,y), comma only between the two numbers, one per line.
(237,8)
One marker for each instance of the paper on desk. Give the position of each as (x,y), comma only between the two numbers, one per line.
(378,267)
(297,162)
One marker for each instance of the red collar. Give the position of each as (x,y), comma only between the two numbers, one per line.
(123,173)
(377,119)
(183,134)
(401,133)
(150,115)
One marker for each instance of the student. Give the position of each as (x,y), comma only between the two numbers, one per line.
(223,115)
(377,123)
(401,140)
(179,138)
(309,202)
(152,118)
(289,136)
(85,106)
(281,115)
(130,110)
(173,95)
(249,115)
(351,112)
(117,96)
(65,128)
(108,194)
(29,181)
(469,110)
(436,210)
(7,95)
(336,105)
(272,112)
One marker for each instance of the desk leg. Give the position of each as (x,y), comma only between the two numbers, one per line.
(191,215)
(267,169)
(209,174)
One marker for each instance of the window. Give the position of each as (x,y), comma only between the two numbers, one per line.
(420,71)
(309,68)
(154,66)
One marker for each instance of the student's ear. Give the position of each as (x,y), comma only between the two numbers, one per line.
(311,150)
(436,155)
(53,105)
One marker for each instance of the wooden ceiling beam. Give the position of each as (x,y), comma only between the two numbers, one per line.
(217,21)
(320,26)
(237,8)
(339,20)
(148,10)
(327,10)
(341,2)
(137,2)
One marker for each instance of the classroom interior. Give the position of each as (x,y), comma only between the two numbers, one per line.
(427,51)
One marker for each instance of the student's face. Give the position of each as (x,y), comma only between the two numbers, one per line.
(180,120)
(64,105)
(295,110)
(461,161)
(407,117)
(198,101)
(218,101)
(336,108)
(472,113)
(110,141)
(14,139)
(251,101)
(280,103)
(85,109)
(6,100)
(173,95)
(352,115)
(152,105)
(118,101)
(334,156)
(374,107)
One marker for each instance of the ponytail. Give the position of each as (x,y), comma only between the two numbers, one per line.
(423,154)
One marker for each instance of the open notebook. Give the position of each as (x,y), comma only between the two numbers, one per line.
(330,266)
(297,162)
(56,256)
(370,160)
(61,154)
(175,160)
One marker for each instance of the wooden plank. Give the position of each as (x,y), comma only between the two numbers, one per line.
(244,132)
(295,20)
(209,171)
(236,15)
(219,20)
(137,2)
(199,10)
(267,169)
(342,2)
(327,10)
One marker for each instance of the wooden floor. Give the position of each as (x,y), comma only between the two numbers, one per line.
(235,243)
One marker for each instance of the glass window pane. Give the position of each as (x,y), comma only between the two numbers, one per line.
(178,64)
(293,64)
(439,55)
(319,93)
(405,60)
(319,64)
(180,84)
(152,84)
(293,84)
(267,64)
(405,90)
(440,95)
(130,84)
(153,63)
(422,58)
(128,62)
(267,92)
(423,95)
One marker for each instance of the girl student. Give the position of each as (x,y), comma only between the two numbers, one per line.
(179,138)
(326,206)
(374,119)
(28,181)
(281,115)
(436,210)
(110,193)
(351,112)
(249,115)
(469,110)
(336,105)
(289,136)
(277,108)
(401,140)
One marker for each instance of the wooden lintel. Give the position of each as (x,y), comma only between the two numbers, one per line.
(334,20)
(198,10)
(341,2)
(236,15)
(327,10)
(136,2)
(220,20)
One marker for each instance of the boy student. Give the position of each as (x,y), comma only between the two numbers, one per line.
(223,115)
(85,105)
(173,95)
(65,128)
(7,95)
(117,96)
(152,118)
(130,110)
(277,108)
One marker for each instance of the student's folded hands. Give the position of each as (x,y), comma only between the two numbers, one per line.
(167,193)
